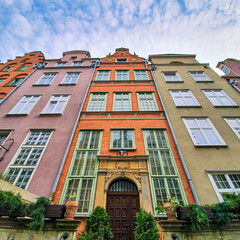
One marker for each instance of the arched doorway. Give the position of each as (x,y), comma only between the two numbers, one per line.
(122,206)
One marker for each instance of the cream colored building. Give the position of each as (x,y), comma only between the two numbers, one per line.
(204,113)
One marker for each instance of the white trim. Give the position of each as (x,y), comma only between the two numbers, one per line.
(184,97)
(176,77)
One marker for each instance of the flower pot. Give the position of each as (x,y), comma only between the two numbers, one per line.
(71,207)
(171,212)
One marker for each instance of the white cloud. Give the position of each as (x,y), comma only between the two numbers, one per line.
(210,28)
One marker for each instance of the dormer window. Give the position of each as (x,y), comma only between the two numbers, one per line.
(121,60)
(73,58)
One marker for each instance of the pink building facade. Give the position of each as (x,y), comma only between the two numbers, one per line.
(36,122)
(231,68)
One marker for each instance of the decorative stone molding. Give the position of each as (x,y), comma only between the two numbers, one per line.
(122,165)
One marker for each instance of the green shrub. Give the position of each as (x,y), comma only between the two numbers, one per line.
(97,226)
(11,203)
(233,199)
(146,228)
(223,213)
(198,217)
(37,217)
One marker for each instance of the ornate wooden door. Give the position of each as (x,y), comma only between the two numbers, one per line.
(122,208)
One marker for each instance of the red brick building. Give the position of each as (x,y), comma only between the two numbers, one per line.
(13,72)
(123,155)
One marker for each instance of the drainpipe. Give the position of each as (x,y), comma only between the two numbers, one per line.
(10,93)
(233,83)
(95,65)
(176,143)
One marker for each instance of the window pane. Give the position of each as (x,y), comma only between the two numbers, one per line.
(221,181)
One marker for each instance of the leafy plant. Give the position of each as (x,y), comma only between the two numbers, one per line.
(233,199)
(174,203)
(198,217)
(159,209)
(97,226)
(37,217)
(223,213)
(10,201)
(146,228)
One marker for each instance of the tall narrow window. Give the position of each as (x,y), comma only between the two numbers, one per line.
(122,102)
(83,171)
(46,79)
(200,77)
(121,75)
(71,78)
(21,169)
(122,139)
(202,132)
(147,102)
(164,176)
(97,102)
(225,182)
(141,75)
(184,98)
(234,124)
(103,75)
(219,98)
(25,105)
(172,77)
(56,104)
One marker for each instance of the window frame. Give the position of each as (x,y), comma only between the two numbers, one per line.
(60,64)
(122,139)
(91,99)
(23,68)
(2,80)
(76,63)
(226,174)
(12,83)
(204,136)
(64,82)
(205,77)
(23,101)
(237,119)
(122,75)
(46,80)
(100,72)
(81,177)
(181,91)
(154,101)
(4,132)
(24,166)
(218,98)
(44,112)
(129,99)
(166,147)
(142,77)
(176,76)
(7,68)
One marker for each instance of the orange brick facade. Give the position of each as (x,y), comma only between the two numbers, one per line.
(110,119)
(29,59)
(134,119)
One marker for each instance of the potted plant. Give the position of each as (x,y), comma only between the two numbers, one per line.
(170,208)
(71,207)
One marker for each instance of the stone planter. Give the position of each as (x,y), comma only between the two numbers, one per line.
(171,212)
(71,207)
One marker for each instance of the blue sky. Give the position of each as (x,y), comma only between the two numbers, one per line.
(208,28)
